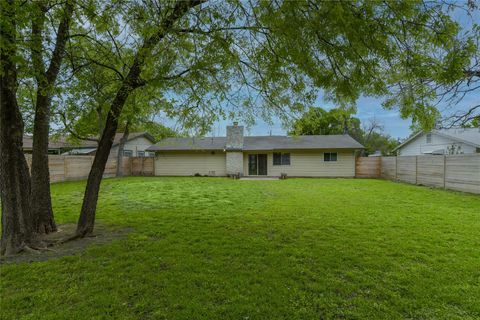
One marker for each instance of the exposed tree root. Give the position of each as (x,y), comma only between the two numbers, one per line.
(75,237)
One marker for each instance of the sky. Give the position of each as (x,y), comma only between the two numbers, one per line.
(367,108)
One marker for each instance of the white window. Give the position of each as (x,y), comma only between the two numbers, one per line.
(127,153)
(141,154)
(429,138)
(330,156)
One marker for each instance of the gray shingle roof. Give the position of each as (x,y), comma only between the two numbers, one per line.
(259,143)
(61,142)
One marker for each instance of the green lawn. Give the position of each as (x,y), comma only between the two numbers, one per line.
(213,248)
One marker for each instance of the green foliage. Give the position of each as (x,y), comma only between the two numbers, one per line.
(213,248)
(378,141)
(244,60)
(317,121)
(157,130)
(436,69)
(474,123)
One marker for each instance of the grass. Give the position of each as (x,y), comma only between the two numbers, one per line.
(212,248)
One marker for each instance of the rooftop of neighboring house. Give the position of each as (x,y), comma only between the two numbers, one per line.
(61,142)
(469,136)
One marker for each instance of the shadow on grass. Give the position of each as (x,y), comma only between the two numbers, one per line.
(102,234)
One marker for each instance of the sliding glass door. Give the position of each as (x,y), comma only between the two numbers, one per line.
(257,164)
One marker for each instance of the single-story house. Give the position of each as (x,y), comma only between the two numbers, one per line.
(56,145)
(135,146)
(299,156)
(441,141)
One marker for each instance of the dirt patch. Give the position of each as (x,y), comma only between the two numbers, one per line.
(102,234)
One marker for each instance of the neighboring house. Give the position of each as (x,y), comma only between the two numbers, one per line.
(377,153)
(441,141)
(301,156)
(56,145)
(135,146)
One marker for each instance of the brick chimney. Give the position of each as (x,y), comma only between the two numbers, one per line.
(233,148)
(234,137)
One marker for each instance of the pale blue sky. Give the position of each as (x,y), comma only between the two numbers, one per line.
(367,108)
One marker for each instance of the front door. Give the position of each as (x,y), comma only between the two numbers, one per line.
(257,164)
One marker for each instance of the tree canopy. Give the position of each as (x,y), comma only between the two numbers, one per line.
(200,61)
(317,121)
(258,59)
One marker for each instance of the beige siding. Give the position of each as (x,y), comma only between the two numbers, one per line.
(190,163)
(135,145)
(309,164)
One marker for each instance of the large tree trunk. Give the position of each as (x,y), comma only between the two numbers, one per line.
(41,198)
(121,147)
(131,82)
(17,226)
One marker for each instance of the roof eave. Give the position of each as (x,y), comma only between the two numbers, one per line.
(407,141)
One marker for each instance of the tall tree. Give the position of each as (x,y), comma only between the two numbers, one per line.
(317,121)
(17,226)
(45,78)
(339,121)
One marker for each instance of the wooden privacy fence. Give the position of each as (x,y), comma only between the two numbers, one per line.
(368,167)
(455,172)
(67,168)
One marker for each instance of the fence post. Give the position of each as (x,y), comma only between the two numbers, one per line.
(65,172)
(153,159)
(396,168)
(379,166)
(416,169)
(444,170)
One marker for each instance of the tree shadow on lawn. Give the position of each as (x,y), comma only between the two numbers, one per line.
(102,234)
